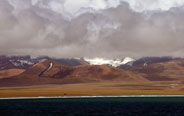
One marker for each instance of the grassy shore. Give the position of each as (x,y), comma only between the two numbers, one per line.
(94,89)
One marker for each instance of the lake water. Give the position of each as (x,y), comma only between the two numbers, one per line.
(120,106)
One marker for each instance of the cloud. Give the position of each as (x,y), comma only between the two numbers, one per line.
(147,5)
(92,28)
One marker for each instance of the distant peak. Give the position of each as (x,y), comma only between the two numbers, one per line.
(112,62)
(127,60)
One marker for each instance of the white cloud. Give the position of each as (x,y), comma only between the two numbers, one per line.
(77,7)
(72,8)
(145,5)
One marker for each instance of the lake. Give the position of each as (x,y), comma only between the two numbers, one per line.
(102,106)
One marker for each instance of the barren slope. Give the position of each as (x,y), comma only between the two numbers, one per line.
(51,72)
(10,72)
(166,71)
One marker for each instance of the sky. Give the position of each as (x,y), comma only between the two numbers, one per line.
(92,28)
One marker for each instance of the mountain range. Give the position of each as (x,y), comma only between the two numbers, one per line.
(25,70)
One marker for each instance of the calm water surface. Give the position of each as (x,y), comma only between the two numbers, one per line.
(124,106)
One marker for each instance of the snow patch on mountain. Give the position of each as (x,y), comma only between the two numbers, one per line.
(15,63)
(127,60)
(26,62)
(114,62)
(21,62)
(50,66)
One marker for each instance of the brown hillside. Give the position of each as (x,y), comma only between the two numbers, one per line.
(51,72)
(167,71)
(10,72)
(87,72)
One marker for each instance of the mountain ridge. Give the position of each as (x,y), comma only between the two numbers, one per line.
(46,70)
(41,73)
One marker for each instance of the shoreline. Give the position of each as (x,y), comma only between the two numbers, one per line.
(79,97)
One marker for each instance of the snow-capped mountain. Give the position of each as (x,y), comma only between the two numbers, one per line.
(114,62)
(24,62)
(21,62)
(146,61)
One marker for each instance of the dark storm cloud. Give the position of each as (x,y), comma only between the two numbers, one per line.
(36,29)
